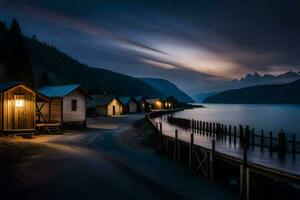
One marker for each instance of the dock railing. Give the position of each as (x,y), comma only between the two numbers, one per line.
(206,159)
(242,134)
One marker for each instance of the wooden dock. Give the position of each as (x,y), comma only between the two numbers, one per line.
(214,150)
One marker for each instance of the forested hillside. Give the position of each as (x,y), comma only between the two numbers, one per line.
(14,59)
(168,88)
(37,63)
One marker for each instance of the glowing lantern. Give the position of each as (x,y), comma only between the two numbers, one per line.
(19,101)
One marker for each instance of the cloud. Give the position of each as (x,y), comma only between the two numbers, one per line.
(196,44)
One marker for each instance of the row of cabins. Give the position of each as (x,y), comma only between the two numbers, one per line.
(114,105)
(22,109)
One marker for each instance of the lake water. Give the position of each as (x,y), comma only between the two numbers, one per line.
(258,116)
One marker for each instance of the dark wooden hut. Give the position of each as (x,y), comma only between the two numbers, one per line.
(17,107)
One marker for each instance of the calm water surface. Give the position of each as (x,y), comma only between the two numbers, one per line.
(267,117)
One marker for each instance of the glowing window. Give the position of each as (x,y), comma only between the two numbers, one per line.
(19,100)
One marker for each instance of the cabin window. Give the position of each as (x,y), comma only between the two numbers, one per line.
(74,105)
(19,100)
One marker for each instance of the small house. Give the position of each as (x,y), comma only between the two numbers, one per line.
(105,105)
(168,104)
(130,105)
(143,105)
(63,104)
(155,104)
(17,107)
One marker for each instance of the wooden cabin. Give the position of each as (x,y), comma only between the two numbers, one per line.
(155,104)
(63,104)
(143,105)
(168,105)
(17,108)
(105,105)
(130,105)
(158,104)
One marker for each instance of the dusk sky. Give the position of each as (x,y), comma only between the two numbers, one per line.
(195,44)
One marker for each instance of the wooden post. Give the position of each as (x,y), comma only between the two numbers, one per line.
(221,132)
(262,141)
(211,160)
(294,146)
(247,183)
(191,152)
(217,131)
(234,138)
(247,136)
(210,129)
(207,128)
(242,136)
(253,138)
(281,144)
(176,145)
(161,135)
(157,136)
(214,130)
(229,134)
(271,142)
(243,173)
(160,127)
(225,132)
(200,127)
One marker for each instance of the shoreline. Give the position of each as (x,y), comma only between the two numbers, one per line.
(95,163)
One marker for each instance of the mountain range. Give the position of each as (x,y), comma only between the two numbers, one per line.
(257,79)
(249,80)
(288,93)
(168,88)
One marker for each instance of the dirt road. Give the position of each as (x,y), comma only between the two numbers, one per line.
(101,162)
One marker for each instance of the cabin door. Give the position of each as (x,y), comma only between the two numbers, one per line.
(114,110)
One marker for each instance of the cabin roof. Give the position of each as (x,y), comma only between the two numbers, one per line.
(101,100)
(4,86)
(125,100)
(58,91)
(139,98)
(152,101)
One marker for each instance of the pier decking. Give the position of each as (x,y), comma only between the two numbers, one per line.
(204,145)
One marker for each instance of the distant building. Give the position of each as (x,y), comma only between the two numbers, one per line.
(63,104)
(158,104)
(143,105)
(155,104)
(168,104)
(17,107)
(105,105)
(130,105)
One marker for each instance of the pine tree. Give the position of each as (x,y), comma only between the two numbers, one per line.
(45,79)
(15,27)
(3,26)
(18,60)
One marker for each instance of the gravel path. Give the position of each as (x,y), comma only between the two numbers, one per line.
(101,162)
